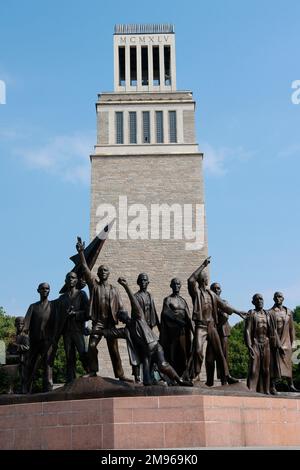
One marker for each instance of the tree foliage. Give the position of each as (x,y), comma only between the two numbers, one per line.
(7,326)
(238,353)
(296,314)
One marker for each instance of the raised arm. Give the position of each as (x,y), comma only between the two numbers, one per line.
(137,310)
(193,277)
(192,280)
(87,272)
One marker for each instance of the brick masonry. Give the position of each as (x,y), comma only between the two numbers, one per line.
(149,179)
(151,422)
(151,173)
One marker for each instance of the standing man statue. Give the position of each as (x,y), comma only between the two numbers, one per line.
(205,315)
(39,326)
(145,299)
(72,311)
(258,331)
(223,329)
(105,302)
(176,329)
(17,352)
(281,347)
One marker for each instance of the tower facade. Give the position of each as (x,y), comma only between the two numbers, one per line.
(146,167)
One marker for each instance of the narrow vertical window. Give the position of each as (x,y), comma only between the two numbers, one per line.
(119,128)
(122,66)
(146,127)
(144,52)
(132,127)
(172,127)
(159,127)
(167,63)
(155,51)
(133,73)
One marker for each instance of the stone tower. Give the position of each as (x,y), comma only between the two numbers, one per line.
(146,166)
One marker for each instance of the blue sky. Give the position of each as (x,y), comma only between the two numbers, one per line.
(238,58)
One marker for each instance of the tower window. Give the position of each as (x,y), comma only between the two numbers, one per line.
(167,62)
(122,66)
(155,51)
(146,127)
(133,74)
(119,128)
(145,78)
(159,127)
(132,127)
(172,127)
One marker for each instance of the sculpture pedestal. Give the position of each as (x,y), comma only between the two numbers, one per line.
(149,422)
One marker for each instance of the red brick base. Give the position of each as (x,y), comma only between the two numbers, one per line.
(151,422)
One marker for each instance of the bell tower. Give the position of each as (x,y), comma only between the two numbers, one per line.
(146,167)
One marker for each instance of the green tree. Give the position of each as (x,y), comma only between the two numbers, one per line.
(296,314)
(7,332)
(7,326)
(238,353)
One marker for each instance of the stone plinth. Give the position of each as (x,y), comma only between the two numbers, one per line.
(152,422)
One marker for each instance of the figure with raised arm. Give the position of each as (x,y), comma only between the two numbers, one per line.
(205,315)
(105,302)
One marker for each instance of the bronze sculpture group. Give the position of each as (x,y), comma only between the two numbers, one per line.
(178,353)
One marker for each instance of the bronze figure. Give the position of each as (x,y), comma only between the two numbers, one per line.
(282,344)
(72,311)
(258,330)
(17,353)
(205,315)
(146,301)
(144,341)
(39,326)
(223,329)
(176,329)
(105,302)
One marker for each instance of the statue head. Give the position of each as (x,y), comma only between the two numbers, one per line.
(44,290)
(71,280)
(203,279)
(216,288)
(175,285)
(143,281)
(258,301)
(19,324)
(103,272)
(278,298)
